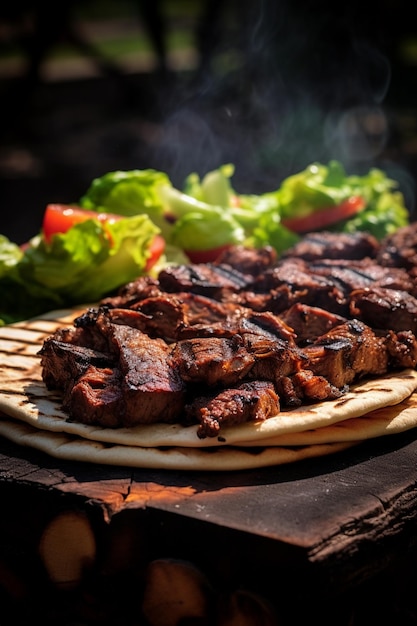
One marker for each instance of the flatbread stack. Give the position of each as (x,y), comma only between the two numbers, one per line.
(32,416)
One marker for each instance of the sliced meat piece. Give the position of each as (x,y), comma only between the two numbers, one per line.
(385,308)
(330,245)
(256,400)
(272,343)
(251,261)
(97,398)
(212,360)
(152,388)
(133,292)
(352,275)
(305,386)
(202,310)
(63,363)
(400,248)
(402,349)
(267,323)
(206,279)
(292,281)
(347,352)
(164,315)
(309,322)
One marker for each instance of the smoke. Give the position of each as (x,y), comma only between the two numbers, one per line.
(308,82)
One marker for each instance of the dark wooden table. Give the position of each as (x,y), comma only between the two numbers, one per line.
(331,538)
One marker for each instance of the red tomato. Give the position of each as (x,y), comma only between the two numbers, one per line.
(325,217)
(59,218)
(156,249)
(205,256)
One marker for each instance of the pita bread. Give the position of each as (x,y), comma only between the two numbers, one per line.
(32,415)
(68,447)
(388,420)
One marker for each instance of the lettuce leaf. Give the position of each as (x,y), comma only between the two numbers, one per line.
(128,193)
(320,186)
(79,266)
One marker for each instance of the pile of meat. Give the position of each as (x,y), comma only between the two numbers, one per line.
(242,338)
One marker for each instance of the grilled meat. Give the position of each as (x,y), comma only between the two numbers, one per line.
(212,280)
(385,308)
(351,351)
(248,260)
(239,339)
(329,245)
(96,398)
(400,248)
(256,400)
(305,386)
(63,362)
(309,322)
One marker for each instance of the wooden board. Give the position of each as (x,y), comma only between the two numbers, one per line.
(325,507)
(321,529)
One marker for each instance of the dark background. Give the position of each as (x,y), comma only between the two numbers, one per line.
(269,86)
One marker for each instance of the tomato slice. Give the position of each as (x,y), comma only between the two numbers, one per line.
(156,249)
(59,218)
(325,217)
(206,256)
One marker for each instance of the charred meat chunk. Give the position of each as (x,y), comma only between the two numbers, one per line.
(63,363)
(309,322)
(400,248)
(97,398)
(207,279)
(305,386)
(402,349)
(152,388)
(292,281)
(329,245)
(348,352)
(256,400)
(350,275)
(385,308)
(212,360)
(251,261)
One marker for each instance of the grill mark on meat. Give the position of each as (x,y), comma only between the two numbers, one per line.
(208,279)
(291,281)
(365,273)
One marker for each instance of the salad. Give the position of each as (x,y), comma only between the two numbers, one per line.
(132,223)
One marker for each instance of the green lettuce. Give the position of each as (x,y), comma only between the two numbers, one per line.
(82,265)
(128,193)
(90,260)
(320,186)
